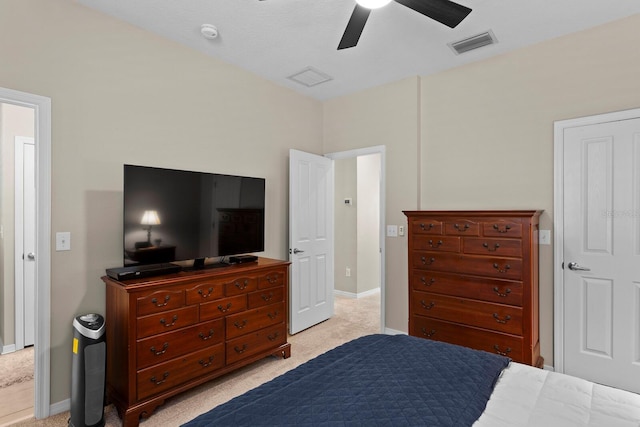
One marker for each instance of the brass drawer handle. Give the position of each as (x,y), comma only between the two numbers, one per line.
(224,309)
(426,227)
(208,293)
(437,245)
(242,286)
(273,336)
(158,382)
(204,337)
(168,325)
(273,315)
(506,268)
(206,364)
(272,279)
(500,294)
(267,297)
(502,353)
(503,230)
(499,320)
(160,352)
(154,301)
(495,247)
(240,350)
(423,280)
(429,334)
(461,228)
(240,325)
(427,262)
(429,306)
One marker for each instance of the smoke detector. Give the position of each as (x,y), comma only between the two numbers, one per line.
(209,31)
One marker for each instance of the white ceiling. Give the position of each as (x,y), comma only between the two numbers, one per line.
(278,38)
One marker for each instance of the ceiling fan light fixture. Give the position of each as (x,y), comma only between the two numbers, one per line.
(373,4)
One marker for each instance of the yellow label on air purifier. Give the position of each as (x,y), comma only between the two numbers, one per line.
(75,346)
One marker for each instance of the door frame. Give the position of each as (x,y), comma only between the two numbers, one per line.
(42,135)
(559,128)
(378,149)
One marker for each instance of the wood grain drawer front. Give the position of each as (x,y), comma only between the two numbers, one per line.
(158,378)
(240,285)
(256,342)
(167,321)
(439,244)
(502,228)
(271,279)
(426,226)
(223,307)
(266,297)
(497,317)
(462,227)
(500,291)
(480,339)
(501,268)
(434,261)
(204,292)
(160,348)
(160,301)
(496,247)
(252,320)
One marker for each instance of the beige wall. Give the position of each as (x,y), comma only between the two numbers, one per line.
(368,223)
(122,95)
(346,244)
(487,138)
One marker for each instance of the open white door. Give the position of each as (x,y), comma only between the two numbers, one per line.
(311,225)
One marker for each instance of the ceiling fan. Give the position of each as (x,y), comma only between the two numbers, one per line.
(444,11)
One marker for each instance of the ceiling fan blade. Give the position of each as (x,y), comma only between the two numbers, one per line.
(354,27)
(444,11)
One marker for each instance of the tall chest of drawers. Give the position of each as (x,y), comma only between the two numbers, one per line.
(473,280)
(167,334)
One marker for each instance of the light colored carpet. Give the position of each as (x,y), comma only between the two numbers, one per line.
(354,318)
(16,367)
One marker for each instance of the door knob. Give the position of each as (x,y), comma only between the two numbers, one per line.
(31,256)
(576,267)
(297,251)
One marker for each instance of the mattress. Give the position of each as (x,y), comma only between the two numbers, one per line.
(526,397)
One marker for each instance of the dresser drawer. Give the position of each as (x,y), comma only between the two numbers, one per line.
(200,292)
(166,321)
(426,226)
(502,228)
(160,348)
(480,339)
(159,301)
(495,247)
(438,244)
(462,227)
(223,307)
(500,291)
(266,297)
(497,317)
(435,261)
(271,279)
(164,376)
(500,268)
(240,285)
(252,320)
(256,342)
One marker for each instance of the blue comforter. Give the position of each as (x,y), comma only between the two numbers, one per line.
(390,380)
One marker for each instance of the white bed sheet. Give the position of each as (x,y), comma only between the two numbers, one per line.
(528,396)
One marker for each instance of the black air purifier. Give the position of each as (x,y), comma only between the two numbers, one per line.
(88,371)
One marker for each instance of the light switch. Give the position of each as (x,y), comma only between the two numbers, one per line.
(544,237)
(392,231)
(63,241)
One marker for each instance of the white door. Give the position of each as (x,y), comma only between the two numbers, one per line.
(311,189)
(601,253)
(25,241)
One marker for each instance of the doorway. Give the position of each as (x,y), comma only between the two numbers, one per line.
(41,125)
(597,249)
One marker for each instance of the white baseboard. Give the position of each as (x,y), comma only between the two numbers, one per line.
(356,295)
(60,407)
(8,348)
(390,331)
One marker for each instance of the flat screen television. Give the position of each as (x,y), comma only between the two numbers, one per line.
(177,215)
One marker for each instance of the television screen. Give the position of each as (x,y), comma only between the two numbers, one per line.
(176,215)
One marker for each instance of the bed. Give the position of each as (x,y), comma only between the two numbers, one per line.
(401,380)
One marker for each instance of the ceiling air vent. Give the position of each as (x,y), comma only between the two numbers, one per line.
(473,42)
(310,77)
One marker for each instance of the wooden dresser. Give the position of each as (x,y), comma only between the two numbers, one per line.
(167,334)
(473,280)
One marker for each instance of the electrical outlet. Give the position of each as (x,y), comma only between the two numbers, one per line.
(348,272)
(63,241)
